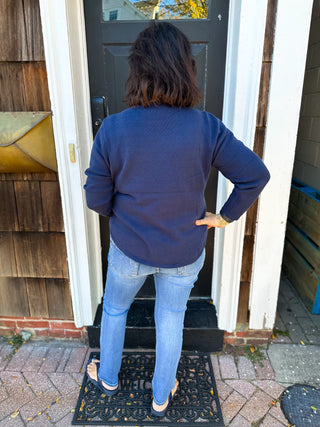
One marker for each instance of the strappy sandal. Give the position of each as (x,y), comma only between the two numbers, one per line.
(163,412)
(98,383)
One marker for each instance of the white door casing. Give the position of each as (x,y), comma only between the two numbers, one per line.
(243,68)
(287,74)
(66,61)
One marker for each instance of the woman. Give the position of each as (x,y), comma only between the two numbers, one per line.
(148,171)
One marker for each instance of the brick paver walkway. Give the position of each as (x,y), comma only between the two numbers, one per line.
(40,386)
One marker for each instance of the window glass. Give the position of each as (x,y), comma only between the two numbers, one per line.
(128,10)
(113,15)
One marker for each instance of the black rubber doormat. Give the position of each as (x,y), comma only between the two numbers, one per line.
(196,400)
(301,405)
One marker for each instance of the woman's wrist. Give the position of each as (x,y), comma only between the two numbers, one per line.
(221,220)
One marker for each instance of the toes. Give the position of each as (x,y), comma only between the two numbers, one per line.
(92,369)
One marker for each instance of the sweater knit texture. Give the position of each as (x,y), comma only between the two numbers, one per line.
(148,172)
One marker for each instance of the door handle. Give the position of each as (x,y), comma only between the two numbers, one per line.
(98,112)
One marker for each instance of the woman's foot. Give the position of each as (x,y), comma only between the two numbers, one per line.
(160,408)
(92,372)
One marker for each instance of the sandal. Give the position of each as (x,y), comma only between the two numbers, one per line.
(98,382)
(163,412)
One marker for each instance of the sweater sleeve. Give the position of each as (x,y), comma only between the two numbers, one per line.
(99,186)
(243,168)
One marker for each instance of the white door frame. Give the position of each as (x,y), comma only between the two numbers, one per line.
(243,68)
(288,66)
(66,61)
(67,69)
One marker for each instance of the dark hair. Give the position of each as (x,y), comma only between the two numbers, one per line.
(162,69)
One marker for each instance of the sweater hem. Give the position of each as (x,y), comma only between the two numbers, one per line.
(158,265)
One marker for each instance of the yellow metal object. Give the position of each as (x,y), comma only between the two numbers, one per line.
(72,153)
(26,142)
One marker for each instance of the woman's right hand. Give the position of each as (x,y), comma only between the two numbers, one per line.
(210,220)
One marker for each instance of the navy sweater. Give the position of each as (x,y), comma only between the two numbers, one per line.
(148,172)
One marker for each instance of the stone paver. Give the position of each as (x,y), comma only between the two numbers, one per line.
(288,318)
(76,359)
(41,420)
(215,366)
(63,382)
(264,372)
(65,421)
(315,318)
(12,422)
(282,339)
(224,390)
(269,421)
(35,359)
(20,358)
(296,333)
(239,421)
(231,406)
(39,404)
(228,367)
(295,317)
(308,327)
(277,413)
(14,381)
(78,377)
(279,324)
(64,406)
(3,393)
(4,352)
(63,360)
(38,382)
(86,358)
(256,407)
(298,309)
(14,402)
(243,387)
(314,338)
(245,368)
(52,360)
(270,387)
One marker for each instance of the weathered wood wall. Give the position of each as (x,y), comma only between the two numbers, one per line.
(33,260)
(23,78)
(250,230)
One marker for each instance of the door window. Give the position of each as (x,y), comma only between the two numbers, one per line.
(135,10)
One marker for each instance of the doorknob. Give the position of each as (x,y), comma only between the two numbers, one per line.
(98,123)
(98,112)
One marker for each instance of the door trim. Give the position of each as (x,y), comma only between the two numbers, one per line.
(243,68)
(292,29)
(67,70)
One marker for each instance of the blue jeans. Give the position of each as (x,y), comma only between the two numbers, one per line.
(173,286)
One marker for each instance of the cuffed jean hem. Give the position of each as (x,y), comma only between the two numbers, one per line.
(107,383)
(157,403)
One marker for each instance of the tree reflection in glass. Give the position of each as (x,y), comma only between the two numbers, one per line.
(126,10)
